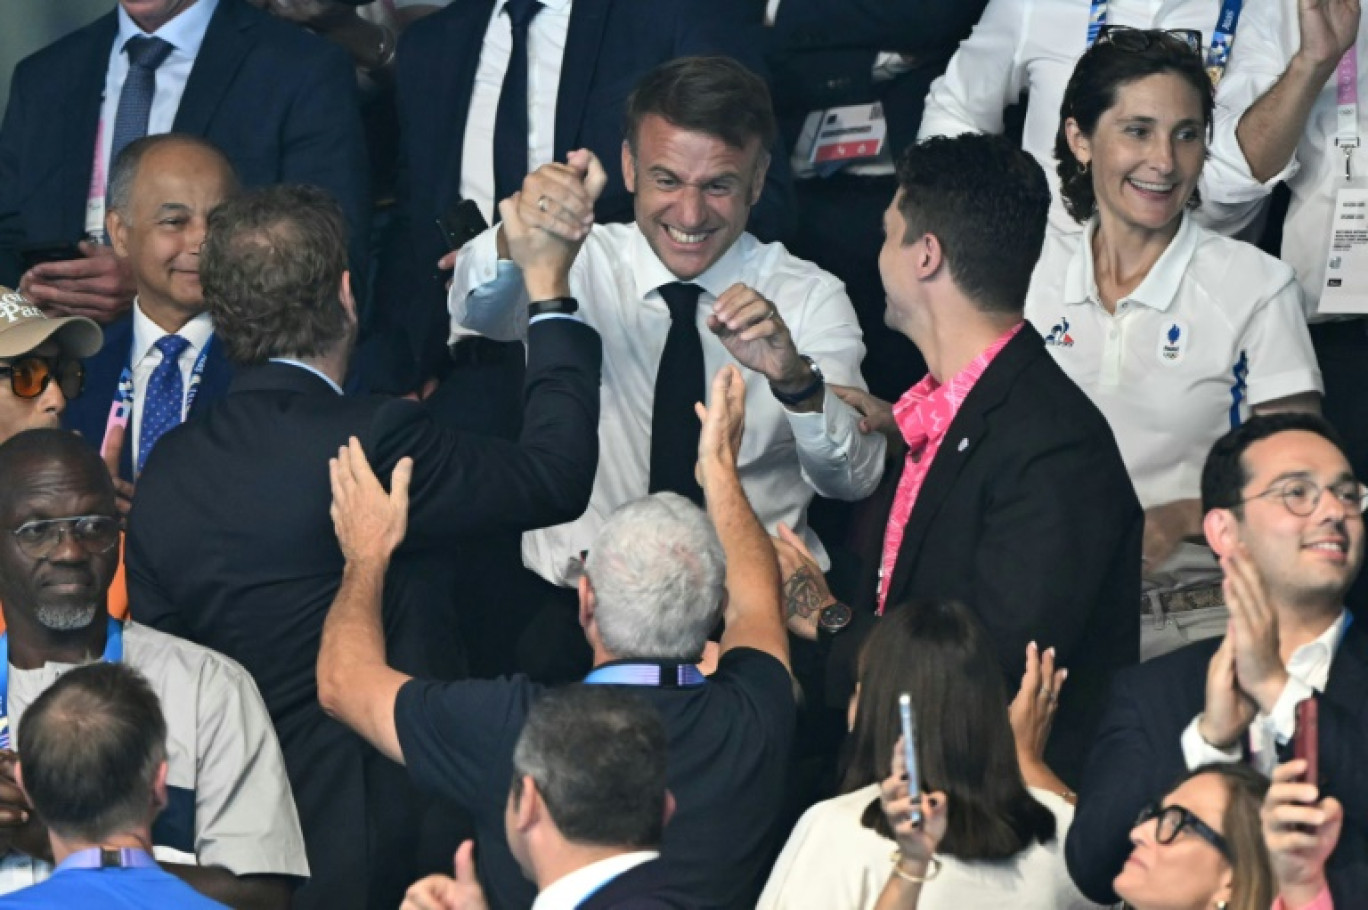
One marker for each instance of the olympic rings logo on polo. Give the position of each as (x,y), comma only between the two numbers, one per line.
(14,306)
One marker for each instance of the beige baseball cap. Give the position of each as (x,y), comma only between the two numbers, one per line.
(24,327)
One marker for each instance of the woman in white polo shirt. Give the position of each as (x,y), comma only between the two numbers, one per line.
(1175,333)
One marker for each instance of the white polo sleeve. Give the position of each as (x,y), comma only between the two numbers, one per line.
(1282,361)
(985,76)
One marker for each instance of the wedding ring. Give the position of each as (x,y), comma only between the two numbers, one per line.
(541,203)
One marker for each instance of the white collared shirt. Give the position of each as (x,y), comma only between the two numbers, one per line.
(185,34)
(568,892)
(146,358)
(1033,45)
(1214,328)
(1269,36)
(784,456)
(332,383)
(546,37)
(1308,669)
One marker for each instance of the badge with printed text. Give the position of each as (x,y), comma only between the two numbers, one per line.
(1346,258)
(1173,342)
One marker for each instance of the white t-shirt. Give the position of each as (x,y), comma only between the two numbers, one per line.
(1215,327)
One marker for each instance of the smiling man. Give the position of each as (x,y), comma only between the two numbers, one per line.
(160,362)
(1284,513)
(676,295)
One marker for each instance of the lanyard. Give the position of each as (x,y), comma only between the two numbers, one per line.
(1222,36)
(121,408)
(668,675)
(1346,107)
(108,858)
(113,653)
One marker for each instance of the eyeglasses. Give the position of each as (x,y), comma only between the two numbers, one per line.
(95,533)
(29,376)
(1138,40)
(1174,820)
(1301,496)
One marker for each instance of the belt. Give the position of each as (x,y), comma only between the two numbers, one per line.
(1159,604)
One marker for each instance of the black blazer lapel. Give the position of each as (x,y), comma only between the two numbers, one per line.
(81,118)
(226,44)
(587,21)
(965,436)
(463,38)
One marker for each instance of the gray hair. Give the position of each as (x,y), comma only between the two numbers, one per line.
(658,574)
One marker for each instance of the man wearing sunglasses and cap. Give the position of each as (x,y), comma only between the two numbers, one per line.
(40,363)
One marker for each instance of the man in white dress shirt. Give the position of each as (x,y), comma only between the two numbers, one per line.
(695,159)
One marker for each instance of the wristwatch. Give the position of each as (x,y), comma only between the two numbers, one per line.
(832,620)
(797,398)
(560,305)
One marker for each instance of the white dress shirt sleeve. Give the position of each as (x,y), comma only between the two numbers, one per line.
(984,78)
(1282,361)
(1198,752)
(487,296)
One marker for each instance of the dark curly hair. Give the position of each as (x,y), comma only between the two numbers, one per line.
(271,268)
(1101,71)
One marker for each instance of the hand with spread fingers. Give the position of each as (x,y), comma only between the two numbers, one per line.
(1300,833)
(1229,710)
(370,522)
(753,332)
(804,586)
(1031,714)
(441,892)
(1327,28)
(1259,667)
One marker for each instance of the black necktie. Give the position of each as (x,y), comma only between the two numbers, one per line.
(135,99)
(510,121)
(680,382)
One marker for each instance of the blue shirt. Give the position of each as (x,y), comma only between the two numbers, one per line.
(114,889)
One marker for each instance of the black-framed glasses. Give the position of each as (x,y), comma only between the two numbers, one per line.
(95,533)
(1301,495)
(1174,820)
(29,376)
(1138,40)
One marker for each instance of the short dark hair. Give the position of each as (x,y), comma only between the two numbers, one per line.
(986,201)
(271,268)
(1224,474)
(124,173)
(1102,70)
(45,445)
(597,757)
(713,95)
(938,653)
(90,746)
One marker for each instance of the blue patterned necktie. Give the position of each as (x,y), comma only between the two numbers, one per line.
(510,119)
(135,101)
(165,396)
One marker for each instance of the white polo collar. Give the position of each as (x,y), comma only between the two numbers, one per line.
(1157,291)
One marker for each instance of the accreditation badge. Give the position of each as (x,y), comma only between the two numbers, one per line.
(1346,261)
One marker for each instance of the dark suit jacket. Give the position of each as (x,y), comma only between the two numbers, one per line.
(610,45)
(639,888)
(1138,757)
(88,414)
(230,544)
(1028,517)
(279,102)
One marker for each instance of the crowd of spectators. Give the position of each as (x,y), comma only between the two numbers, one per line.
(466,454)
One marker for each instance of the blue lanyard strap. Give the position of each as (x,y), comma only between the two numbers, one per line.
(123,393)
(659,675)
(1097,17)
(1222,36)
(113,653)
(108,858)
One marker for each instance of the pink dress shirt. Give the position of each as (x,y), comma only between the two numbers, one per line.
(1322,902)
(923,414)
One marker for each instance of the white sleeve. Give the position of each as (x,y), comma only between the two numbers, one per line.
(1278,344)
(984,78)
(1198,752)
(487,296)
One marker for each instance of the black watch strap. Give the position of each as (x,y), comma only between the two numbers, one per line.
(797,398)
(563,306)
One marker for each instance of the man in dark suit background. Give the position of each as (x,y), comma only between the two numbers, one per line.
(281,105)
(586,809)
(161,357)
(1013,497)
(230,543)
(1290,553)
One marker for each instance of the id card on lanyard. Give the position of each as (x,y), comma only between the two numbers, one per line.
(113,653)
(1346,260)
(1218,50)
(121,408)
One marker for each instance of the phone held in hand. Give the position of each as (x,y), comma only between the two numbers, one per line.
(909,738)
(1306,740)
(461,223)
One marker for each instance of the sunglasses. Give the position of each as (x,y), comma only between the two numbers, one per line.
(1138,40)
(1174,820)
(29,376)
(95,534)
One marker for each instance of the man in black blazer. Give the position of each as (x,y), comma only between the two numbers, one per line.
(586,810)
(230,543)
(280,104)
(1289,553)
(1025,512)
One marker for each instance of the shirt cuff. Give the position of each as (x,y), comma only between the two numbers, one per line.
(1197,751)
(825,434)
(493,307)
(771,11)
(1283,717)
(545,316)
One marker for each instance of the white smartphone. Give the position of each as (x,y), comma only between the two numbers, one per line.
(909,735)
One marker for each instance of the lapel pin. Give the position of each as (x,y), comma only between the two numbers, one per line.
(964,444)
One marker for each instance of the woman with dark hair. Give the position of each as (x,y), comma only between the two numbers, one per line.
(1002,844)
(1176,333)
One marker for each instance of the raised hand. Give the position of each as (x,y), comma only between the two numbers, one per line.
(559,198)
(1328,29)
(804,586)
(1300,833)
(1228,711)
(439,892)
(916,842)
(1032,711)
(370,523)
(1259,669)
(724,423)
(753,332)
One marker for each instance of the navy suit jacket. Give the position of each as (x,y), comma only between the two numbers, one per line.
(88,414)
(279,102)
(610,45)
(1138,757)
(639,888)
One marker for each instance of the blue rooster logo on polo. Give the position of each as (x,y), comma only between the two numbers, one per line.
(1173,342)
(1059,334)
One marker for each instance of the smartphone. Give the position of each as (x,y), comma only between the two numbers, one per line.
(461,223)
(1306,741)
(36,253)
(909,737)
